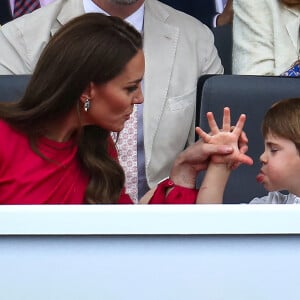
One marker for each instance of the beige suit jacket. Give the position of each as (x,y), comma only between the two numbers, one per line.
(265,37)
(178,49)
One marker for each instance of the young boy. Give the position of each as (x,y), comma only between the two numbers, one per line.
(280,160)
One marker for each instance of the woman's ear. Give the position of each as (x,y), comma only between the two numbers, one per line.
(87,93)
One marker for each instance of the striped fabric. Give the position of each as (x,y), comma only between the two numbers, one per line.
(23,7)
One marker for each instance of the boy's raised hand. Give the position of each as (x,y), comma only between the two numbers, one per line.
(227,135)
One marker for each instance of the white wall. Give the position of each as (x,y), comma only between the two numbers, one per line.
(149,252)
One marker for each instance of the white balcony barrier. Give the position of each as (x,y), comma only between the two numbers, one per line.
(211,252)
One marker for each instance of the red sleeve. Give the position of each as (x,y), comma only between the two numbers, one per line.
(124,198)
(178,195)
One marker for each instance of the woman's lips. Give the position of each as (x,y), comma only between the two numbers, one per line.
(127,117)
(260,177)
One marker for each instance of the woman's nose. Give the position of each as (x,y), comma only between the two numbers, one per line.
(139,97)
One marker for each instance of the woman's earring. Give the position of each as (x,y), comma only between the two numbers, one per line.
(87,105)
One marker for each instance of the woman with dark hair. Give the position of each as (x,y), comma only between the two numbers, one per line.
(266,37)
(72,102)
(55,142)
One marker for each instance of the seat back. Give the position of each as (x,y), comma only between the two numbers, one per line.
(252,95)
(203,10)
(12,87)
(223,43)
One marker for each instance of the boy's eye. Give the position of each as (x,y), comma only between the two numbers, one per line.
(273,149)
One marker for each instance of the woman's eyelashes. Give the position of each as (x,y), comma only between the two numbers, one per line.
(131,89)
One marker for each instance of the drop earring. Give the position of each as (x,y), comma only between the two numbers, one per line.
(87,105)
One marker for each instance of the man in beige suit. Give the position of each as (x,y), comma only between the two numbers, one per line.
(178,50)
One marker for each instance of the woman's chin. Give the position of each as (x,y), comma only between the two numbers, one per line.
(118,128)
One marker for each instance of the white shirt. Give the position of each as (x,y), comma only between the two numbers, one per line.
(136,19)
(220,4)
(277,198)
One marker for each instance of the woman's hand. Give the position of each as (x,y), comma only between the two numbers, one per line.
(194,159)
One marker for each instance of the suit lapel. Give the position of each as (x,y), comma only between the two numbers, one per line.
(291,19)
(69,10)
(160,43)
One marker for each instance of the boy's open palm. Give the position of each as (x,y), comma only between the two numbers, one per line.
(227,135)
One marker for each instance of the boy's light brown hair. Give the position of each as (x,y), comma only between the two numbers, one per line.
(283,120)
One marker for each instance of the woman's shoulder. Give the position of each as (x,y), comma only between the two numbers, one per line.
(7,129)
(4,127)
(9,136)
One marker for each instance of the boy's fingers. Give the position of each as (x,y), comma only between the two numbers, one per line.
(226,119)
(245,159)
(212,123)
(238,129)
(203,135)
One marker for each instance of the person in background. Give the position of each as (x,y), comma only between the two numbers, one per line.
(266,37)
(55,143)
(178,50)
(224,16)
(280,160)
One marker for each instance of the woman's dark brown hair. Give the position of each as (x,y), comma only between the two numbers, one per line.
(291,3)
(90,48)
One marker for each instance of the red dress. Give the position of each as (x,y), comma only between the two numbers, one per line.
(27,178)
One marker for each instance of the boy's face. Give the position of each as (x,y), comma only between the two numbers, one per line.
(280,165)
